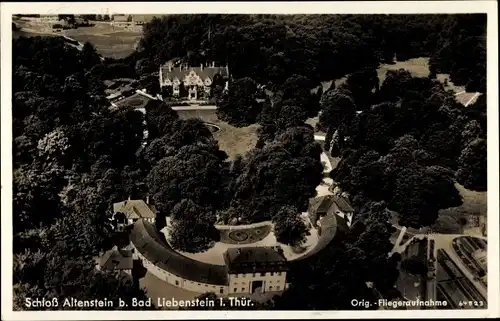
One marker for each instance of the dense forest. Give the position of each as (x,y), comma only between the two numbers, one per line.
(272,48)
(403,144)
(72,157)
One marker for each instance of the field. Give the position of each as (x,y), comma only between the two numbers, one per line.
(232,140)
(110,40)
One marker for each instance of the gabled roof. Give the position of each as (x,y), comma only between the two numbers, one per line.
(343,204)
(116,259)
(135,209)
(205,72)
(323,203)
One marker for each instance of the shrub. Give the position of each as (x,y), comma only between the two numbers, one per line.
(57,26)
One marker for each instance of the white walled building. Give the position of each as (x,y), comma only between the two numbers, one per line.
(194,80)
(255,270)
(248,270)
(166,264)
(134,210)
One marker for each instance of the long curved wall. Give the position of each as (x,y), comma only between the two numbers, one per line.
(194,275)
(328,231)
(168,265)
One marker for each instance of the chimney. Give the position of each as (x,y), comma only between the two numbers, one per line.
(169,67)
(213,64)
(147,199)
(180,67)
(201,66)
(129,198)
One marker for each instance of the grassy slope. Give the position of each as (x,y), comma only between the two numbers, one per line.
(232,140)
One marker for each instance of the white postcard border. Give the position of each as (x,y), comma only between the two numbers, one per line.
(358,7)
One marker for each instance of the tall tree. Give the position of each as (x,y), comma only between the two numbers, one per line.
(472,171)
(239,105)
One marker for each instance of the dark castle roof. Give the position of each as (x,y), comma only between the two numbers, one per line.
(254,259)
(323,203)
(253,254)
(116,259)
(151,244)
(204,72)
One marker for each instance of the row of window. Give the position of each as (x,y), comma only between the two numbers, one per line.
(176,88)
(256,274)
(244,289)
(243,283)
(198,82)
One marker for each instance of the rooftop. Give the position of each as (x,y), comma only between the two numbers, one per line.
(135,101)
(152,245)
(236,256)
(180,72)
(135,209)
(116,259)
(323,203)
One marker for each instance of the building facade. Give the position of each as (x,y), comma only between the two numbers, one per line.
(193,83)
(255,270)
(120,18)
(139,19)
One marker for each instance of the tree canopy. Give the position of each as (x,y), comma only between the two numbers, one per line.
(402,143)
(72,159)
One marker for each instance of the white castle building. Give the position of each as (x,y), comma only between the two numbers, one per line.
(196,81)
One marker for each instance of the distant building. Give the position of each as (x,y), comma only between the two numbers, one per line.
(133,210)
(196,81)
(256,270)
(120,18)
(116,260)
(331,204)
(142,19)
(51,17)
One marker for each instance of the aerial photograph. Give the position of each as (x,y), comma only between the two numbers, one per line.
(249,162)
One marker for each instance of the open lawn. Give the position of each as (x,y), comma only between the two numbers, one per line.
(473,213)
(473,210)
(418,67)
(474,203)
(232,140)
(110,40)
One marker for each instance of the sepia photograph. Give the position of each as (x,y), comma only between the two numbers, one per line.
(249,159)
